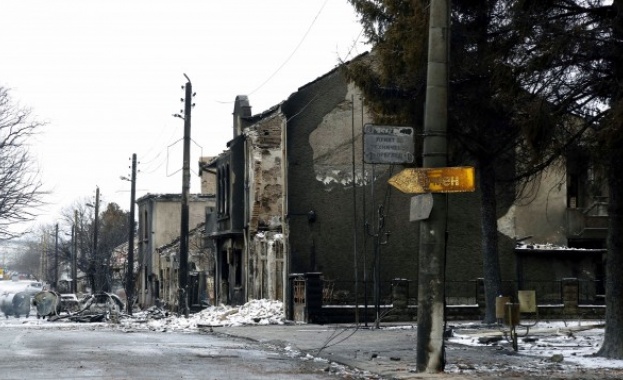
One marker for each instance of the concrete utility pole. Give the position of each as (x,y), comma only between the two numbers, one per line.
(74,263)
(94,263)
(129,291)
(44,257)
(183,271)
(431,278)
(56,258)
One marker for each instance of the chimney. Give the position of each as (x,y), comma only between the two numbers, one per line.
(242,109)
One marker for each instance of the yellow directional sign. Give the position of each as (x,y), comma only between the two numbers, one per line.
(459,179)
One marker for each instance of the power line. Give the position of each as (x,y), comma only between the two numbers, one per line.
(293,52)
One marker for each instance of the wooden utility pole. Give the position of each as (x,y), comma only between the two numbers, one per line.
(183,271)
(431,278)
(129,287)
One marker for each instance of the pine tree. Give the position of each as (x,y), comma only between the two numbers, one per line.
(573,52)
(506,132)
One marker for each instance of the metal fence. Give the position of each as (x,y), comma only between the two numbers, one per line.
(471,292)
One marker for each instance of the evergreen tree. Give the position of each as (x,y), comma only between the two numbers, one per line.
(113,232)
(506,132)
(573,54)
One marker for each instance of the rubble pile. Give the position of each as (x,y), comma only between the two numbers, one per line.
(254,312)
(262,312)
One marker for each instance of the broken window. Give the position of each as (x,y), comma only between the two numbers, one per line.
(145,226)
(226,195)
(279,270)
(263,269)
(238,266)
(223,190)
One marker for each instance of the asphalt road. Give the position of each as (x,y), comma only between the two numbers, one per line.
(83,352)
(38,349)
(391,353)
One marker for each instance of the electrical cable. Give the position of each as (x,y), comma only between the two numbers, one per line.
(270,77)
(152,147)
(354,44)
(293,52)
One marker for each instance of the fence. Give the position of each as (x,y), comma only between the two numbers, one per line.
(470,292)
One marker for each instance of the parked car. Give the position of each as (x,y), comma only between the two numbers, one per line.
(28,286)
(34,287)
(69,303)
(102,303)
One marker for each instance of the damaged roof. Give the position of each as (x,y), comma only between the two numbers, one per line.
(174,244)
(173,197)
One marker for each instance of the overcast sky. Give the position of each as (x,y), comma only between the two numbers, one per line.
(106,76)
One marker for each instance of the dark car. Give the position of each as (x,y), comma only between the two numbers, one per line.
(101,303)
(69,303)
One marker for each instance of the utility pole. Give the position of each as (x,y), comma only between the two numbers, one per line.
(183,271)
(44,257)
(129,291)
(74,264)
(431,278)
(93,267)
(56,258)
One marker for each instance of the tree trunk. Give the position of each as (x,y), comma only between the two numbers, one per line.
(489,225)
(612,346)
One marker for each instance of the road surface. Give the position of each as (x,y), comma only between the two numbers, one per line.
(94,352)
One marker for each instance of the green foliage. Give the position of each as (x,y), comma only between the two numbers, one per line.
(393,79)
(492,114)
(573,52)
(114,228)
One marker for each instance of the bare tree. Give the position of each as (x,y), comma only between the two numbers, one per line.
(20,185)
(28,261)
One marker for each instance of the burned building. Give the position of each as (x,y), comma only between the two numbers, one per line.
(295,197)
(246,224)
(159,217)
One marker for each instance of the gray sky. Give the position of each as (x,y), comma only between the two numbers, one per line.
(106,76)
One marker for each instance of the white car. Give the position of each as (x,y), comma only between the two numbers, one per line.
(34,287)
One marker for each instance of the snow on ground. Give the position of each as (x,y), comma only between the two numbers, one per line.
(574,342)
(255,312)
